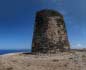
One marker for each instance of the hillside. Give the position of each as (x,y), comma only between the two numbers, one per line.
(75,60)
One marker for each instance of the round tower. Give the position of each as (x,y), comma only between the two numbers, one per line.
(50,35)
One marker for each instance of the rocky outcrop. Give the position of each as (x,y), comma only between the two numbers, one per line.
(50,33)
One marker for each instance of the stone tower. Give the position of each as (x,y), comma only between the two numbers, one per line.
(50,33)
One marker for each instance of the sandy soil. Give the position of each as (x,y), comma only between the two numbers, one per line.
(60,61)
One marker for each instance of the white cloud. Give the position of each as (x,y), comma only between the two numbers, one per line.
(77,46)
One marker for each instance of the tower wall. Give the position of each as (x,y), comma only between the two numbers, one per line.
(50,33)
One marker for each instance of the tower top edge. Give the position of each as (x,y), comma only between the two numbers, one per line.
(48,12)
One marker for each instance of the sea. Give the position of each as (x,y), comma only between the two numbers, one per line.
(13,51)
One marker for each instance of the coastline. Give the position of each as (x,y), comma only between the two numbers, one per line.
(2,52)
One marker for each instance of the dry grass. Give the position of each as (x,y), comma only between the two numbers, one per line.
(60,61)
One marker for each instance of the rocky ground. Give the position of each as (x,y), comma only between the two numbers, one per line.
(62,61)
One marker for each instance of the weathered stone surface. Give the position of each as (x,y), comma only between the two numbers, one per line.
(50,33)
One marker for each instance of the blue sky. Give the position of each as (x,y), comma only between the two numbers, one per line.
(17,21)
